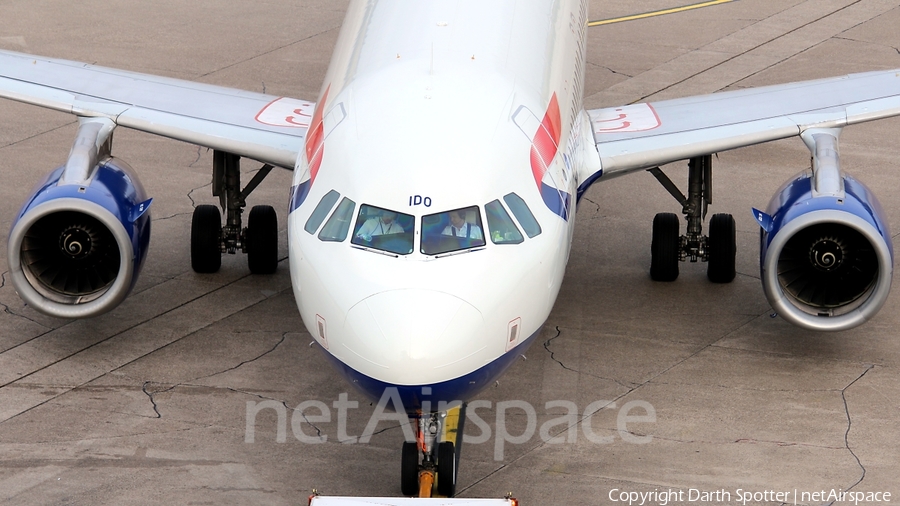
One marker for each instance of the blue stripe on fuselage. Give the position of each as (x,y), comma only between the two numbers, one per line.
(463,388)
(298,194)
(556,200)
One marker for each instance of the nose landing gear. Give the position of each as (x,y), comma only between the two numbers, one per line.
(428,462)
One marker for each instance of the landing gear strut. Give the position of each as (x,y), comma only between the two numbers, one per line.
(668,247)
(428,457)
(209,239)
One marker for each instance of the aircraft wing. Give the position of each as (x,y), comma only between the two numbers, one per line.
(645,135)
(262,127)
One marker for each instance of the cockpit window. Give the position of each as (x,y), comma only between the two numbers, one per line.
(321,211)
(455,230)
(384,230)
(502,229)
(520,210)
(338,225)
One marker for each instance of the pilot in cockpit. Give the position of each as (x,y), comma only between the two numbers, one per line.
(459,227)
(380,225)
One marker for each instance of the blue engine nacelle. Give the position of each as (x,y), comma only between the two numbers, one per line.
(75,250)
(825,260)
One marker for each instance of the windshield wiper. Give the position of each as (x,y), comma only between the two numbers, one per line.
(373,250)
(457,252)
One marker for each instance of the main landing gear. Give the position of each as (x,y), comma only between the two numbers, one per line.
(209,239)
(428,459)
(668,247)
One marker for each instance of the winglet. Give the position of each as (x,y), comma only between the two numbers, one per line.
(139,210)
(763,219)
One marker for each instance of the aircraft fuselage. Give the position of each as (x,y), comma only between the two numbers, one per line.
(431,107)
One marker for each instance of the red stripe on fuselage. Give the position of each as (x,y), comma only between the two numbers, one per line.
(546,141)
(315,139)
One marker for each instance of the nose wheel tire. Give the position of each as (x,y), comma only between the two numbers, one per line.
(664,248)
(722,249)
(262,240)
(446,469)
(206,227)
(409,470)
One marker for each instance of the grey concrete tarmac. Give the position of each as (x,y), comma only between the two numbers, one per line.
(149,403)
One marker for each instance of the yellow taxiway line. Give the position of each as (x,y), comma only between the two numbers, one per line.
(658,13)
(451,426)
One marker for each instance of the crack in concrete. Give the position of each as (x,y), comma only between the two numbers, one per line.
(747,440)
(190,194)
(169,217)
(10,312)
(382,431)
(190,197)
(849,426)
(191,382)
(564,366)
(150,396)
(283,337)
(2,284)
(284,403)
(742,440)
(199,155)
(613,71)
(597,211)
(850,39)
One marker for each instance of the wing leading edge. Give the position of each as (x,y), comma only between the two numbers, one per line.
(645,135)
(262,127)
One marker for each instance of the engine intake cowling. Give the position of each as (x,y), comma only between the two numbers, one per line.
(826,261)
(75,250)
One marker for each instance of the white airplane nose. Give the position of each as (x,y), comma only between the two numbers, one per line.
(414,336)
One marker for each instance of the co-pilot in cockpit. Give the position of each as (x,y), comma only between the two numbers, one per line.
(456,230)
